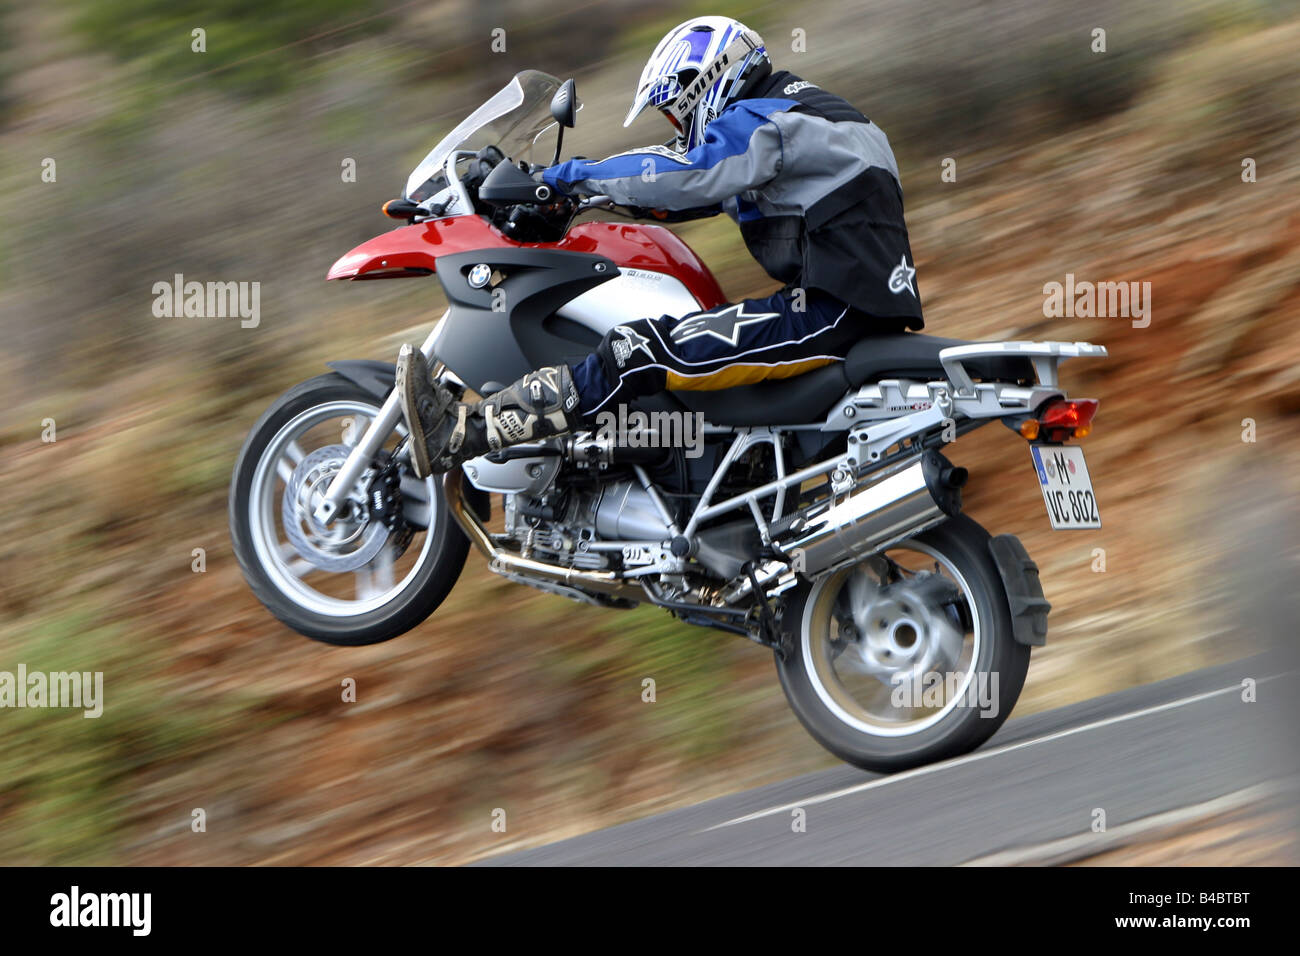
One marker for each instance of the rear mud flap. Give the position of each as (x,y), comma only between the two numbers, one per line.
(1024,591)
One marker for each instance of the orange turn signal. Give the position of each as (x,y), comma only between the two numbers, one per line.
(1029,428)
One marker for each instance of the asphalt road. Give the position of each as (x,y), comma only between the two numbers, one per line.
(1138,755)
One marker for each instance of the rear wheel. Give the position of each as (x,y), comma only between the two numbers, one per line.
(382,566)
(907,657)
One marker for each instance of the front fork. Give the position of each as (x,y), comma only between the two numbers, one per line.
(381,426)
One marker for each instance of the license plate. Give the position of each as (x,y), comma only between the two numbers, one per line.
(1067,489)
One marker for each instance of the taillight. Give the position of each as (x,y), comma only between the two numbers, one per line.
(1065,418)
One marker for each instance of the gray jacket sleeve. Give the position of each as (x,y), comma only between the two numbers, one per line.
(741,150)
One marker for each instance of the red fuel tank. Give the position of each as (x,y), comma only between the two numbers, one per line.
(414,251)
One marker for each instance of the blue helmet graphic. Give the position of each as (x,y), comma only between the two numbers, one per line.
(695,71)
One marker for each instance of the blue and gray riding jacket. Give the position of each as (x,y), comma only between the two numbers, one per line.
(811,182)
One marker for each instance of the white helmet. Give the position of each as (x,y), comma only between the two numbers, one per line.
(695,71)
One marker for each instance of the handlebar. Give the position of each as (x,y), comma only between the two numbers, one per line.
(497,181)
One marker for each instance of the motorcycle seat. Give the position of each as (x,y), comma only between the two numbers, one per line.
(807,398)
(916,356)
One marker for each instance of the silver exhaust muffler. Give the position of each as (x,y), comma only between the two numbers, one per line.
(899,502)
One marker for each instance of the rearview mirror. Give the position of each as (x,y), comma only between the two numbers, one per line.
(564,105)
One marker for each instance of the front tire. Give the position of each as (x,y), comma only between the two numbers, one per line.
(861,649)
(312,600)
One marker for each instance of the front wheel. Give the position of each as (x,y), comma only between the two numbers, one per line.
(382,566)
(907,657)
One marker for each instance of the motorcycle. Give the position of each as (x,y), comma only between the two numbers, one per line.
(816,515)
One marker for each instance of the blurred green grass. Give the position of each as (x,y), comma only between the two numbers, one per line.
(73,780)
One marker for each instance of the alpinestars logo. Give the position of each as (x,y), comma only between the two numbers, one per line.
(629,343)
(725,324)
(901,277)
(797,86)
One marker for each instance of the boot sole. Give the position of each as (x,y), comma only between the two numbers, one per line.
(405,386)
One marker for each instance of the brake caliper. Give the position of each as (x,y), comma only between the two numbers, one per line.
(384,499)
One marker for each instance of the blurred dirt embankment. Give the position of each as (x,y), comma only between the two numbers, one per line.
(1127,169)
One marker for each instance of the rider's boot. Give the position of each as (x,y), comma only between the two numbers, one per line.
(445,432)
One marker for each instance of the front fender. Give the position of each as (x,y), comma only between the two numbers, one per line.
(374,376)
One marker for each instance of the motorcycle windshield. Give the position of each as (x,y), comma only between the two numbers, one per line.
(511,119)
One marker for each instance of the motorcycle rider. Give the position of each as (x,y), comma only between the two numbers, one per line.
(814,188)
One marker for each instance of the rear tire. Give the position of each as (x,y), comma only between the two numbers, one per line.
(963,544)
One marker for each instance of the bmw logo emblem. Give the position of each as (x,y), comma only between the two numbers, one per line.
(479,275)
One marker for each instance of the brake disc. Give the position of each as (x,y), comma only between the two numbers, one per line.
(327,548)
